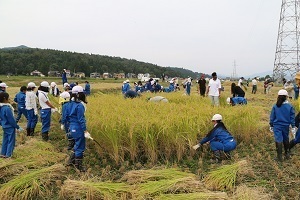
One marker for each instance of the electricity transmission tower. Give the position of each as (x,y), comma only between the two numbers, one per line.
(287,49)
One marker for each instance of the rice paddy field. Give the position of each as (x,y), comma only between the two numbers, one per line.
(145,150)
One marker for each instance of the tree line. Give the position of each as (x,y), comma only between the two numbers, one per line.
(22,61)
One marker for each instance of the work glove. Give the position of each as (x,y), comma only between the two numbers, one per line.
(195,147)
(88,135)
(294,130)
(62,127)
(271,129)
(53,110)
(20,129)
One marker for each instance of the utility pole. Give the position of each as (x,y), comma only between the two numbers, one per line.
(234,75)
(287,49)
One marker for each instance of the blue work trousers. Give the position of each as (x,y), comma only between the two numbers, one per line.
(46,119)
(281,133)
(31,119)
(8,142)
(21,110)
(226,146)
(78,135)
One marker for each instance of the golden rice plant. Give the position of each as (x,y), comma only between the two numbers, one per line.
(135,128)
(76,189)
(35,184)
(224,177)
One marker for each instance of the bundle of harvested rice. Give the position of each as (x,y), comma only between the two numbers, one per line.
(73,189)
(194,196)
(139,176)
(33,185)
(34,154)
(224,177)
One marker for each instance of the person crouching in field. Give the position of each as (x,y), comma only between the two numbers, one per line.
(31,107)
(282,116)
(9,126)
(20,100)
(75,116)
(237,101)
(219,138)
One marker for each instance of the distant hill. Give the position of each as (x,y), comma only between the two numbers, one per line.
(24,60)
(261,74)
(18,47)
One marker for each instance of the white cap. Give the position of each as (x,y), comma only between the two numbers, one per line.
(124,81)
(171,81)
(283,92)
(65,95)
(53,84)
(76,89)
(66,85)
(31,85)
(216,117)
(189,80)
(127,81)
(45,84)
(228,100)
(3,85)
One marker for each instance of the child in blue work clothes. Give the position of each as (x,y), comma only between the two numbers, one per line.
(31,108)
(46,109)
(219,138)
(65,102)
(282,116)
(188,86)
(75,116)
(87,88)
(9,126)
(20,100)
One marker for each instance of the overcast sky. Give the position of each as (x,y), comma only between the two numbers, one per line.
(200,35)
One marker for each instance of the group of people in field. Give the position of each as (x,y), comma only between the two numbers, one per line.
(282,122)
(33,102)
(153,86)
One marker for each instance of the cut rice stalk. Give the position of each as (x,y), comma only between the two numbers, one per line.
(224,177)
(94,190)
(32,185)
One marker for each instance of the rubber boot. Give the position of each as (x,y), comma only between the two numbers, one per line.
(31,131)
(28,131)
(279,151)
(286,146)
(71,160)
(45,136)
(292,144)
(71,144)
(79,165)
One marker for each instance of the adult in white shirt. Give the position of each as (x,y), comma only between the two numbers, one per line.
(214,89)
(254,85)
(240,83)
(31,107)
(46,109)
